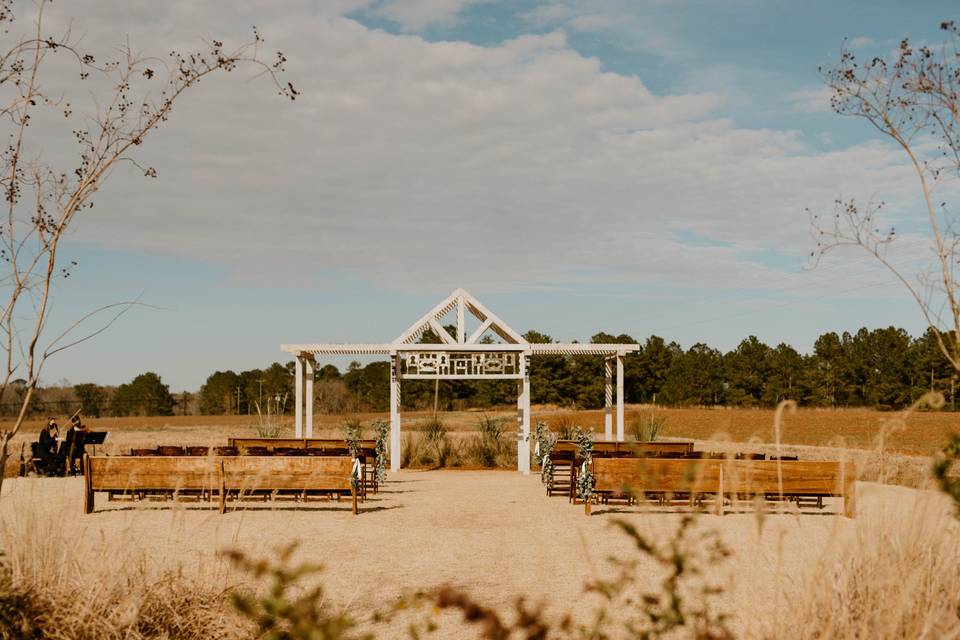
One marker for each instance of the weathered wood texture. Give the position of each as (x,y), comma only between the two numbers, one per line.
(727,477)
(225,476)
(639,448)
(296,443)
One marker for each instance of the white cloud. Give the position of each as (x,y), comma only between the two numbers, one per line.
(427,165)
(416,15)
(814,99)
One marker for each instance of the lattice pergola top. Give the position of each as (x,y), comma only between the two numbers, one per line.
(463,302)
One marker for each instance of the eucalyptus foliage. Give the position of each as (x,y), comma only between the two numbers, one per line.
(382,429)
(585,480)
(545,440)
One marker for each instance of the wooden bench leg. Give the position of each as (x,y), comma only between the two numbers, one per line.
(87,486)
(223,490)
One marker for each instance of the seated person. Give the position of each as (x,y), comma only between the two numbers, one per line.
(73,445)
(46,450)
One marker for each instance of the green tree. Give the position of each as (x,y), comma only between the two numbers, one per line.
(747,369)
(145,395)
(92,398)
(218,394)
(696,377)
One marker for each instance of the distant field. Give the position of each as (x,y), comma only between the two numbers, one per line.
(925,433)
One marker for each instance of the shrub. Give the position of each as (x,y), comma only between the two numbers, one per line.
(278,614)
(410,446)
(489,442)
(566,428)
(647,428)
(437,443)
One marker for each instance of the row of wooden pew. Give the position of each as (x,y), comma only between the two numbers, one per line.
(222,477)
(296,468)
(670,471)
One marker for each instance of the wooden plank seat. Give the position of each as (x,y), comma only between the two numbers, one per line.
(255,451)
(560,481)
(295,443)
(227,477)
(639,449)
(226,451)
(144,452)
(198,451)
(806,482)
(166,450)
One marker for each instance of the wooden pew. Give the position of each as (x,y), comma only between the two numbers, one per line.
(226,477)
(296,443)
(640,449)
(722,478)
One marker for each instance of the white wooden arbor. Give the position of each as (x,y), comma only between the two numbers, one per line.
(458,357)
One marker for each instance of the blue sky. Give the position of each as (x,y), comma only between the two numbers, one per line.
(635,167)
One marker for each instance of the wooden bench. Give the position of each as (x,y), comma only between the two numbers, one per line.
(233,477)
(791,479)
(640,449)
(296,443)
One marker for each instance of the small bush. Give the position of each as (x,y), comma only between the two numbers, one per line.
(489,442)
(647,428)
(410,446)
(566,428)
(278,614)
(437,443)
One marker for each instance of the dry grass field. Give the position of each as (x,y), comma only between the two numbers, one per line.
(925,434)
(495,534)
(149,569)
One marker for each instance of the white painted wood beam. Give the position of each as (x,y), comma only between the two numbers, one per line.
(442,333)
(620,398)
(608,399)
(308,374)
(394,413)
(482,329)
(298,394)
(461,323)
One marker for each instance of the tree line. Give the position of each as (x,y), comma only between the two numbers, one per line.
(883,368)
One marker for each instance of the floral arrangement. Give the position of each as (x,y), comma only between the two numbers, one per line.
(545,439)
(382,429)
(585,480)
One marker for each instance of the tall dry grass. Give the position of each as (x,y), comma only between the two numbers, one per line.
(897,576)
(61,583)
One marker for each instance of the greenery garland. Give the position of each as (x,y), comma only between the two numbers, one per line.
(353,433)
(382,430)
(585,481)
(545,440)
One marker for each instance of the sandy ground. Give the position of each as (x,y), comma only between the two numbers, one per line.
(494,532)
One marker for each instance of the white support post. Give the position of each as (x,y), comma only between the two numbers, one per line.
(394,412)
(298,394)
(619,397)
(309,395)
(608,400)
(523,446)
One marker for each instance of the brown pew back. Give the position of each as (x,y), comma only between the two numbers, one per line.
(216,474)
(727,477)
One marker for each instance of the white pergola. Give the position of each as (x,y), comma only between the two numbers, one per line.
(458,357)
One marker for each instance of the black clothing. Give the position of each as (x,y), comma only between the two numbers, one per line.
(48,444)
(73,446)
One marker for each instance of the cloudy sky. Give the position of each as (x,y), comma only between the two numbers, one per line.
(636,167)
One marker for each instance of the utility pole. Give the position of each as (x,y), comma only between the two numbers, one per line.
(238,399)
